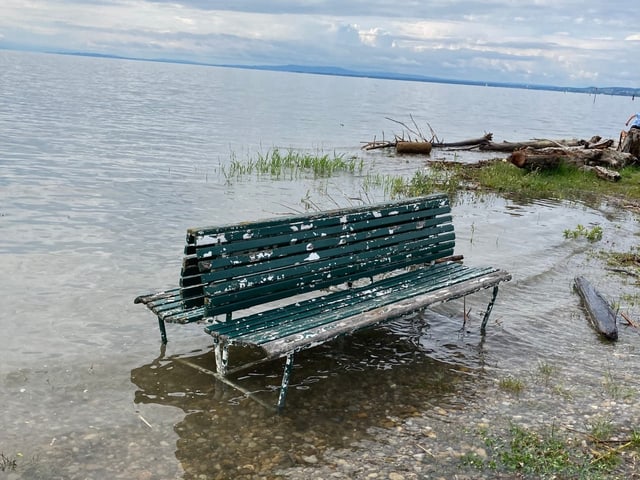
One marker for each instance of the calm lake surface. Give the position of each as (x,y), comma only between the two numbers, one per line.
(105,163)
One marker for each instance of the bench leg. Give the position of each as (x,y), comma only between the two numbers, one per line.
(483,327)
(163,331)
(222,357)
(288,364)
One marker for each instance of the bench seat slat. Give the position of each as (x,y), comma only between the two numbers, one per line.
(316,336)
(266,327)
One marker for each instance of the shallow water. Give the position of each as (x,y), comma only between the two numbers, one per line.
(105,163)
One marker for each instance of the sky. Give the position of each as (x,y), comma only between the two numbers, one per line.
(543,42)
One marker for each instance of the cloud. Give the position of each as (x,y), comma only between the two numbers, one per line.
(500,40)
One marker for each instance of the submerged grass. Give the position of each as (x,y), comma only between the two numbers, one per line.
(291,165)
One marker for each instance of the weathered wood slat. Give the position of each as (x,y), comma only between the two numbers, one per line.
(326,241)
(300,317)
(253,239)
(312,278)
(311,338)
(325,248)
(330,301)
(298,223)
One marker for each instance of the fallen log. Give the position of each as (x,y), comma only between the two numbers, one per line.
(474,142)
(602,317)
(533,144)
(414,147)
(599,143)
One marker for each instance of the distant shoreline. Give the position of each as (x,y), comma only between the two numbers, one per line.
(342,72)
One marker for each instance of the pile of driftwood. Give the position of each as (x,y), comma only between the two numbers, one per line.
(597,154)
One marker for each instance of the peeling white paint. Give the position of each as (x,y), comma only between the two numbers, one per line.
(312,256)
(309,247)
(247,236)
(376,214)
(259,256)
(208,239)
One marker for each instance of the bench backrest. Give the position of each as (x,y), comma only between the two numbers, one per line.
(238,266)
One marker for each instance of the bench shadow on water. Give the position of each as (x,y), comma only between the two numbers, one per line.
(339,390)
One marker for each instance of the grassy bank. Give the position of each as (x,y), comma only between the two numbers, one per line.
(563,183)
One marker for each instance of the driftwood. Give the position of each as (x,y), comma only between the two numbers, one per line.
(602,161)
(474,142)
(630,142)
(602,316)
(414,147)
(604,173)
(534,144)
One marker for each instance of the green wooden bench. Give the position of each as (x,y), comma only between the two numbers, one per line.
(318,276)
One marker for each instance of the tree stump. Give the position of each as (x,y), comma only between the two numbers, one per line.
(630,142)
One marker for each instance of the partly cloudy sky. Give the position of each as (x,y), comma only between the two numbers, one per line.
(555,42)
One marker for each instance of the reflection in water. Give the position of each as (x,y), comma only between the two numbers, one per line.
(339,390)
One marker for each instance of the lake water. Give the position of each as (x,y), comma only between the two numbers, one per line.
(105,163)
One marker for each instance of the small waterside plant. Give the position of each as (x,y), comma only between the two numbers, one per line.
(512,384)
(593,234)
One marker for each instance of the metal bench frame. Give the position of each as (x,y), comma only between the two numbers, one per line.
(322,275)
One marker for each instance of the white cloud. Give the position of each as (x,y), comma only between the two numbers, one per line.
(503,40)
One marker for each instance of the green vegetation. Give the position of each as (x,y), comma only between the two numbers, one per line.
(626,262)
(593,234)
(546,371)
(511,384)
(529,453)
(564,182)
(423,182)
(291,165)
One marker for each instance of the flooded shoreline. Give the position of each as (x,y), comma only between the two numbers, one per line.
(98,187)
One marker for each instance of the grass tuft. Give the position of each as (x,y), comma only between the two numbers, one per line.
(292,165)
